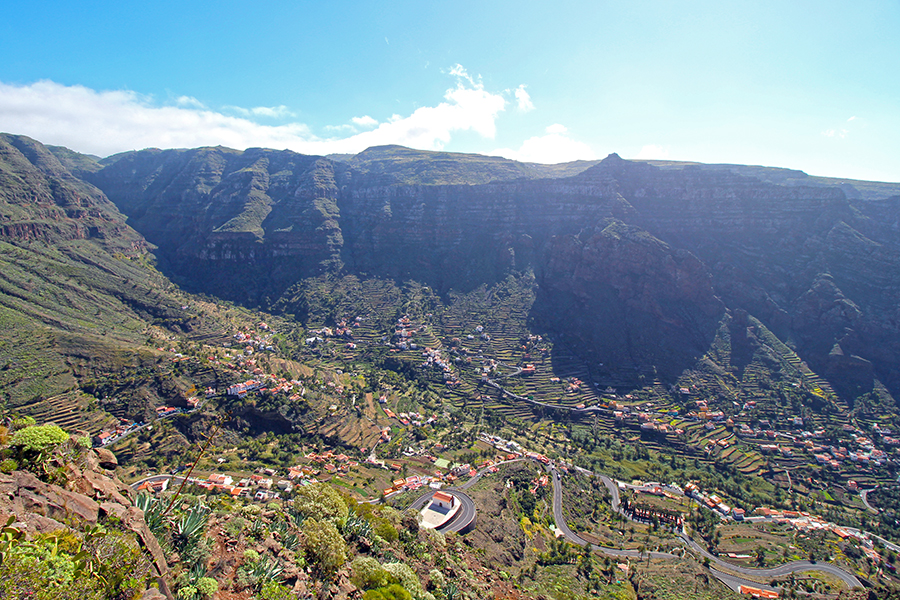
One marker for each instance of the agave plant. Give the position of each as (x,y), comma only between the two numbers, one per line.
(257,530)
(296,517)
(153,512)
(266,570)
(451,592)
(10,537)
(357,526)
(290,540)
(191,525)
(279,527)
(197,571)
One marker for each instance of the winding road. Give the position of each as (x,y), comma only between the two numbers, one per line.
(727,573)
(729,579)
(864,496)
(464,517)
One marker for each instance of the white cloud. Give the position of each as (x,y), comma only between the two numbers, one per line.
(835,133)
(523,100)
(106,122)
(652,152)
(189,101)
(843,132)
(365,121)
(274,112)
(460,73)
(345,128)
(554,147)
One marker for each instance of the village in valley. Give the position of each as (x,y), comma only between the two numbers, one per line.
(390,438)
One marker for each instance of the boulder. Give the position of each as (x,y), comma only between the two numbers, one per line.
(106,459)
(152,594)
(35,496)
(96,485)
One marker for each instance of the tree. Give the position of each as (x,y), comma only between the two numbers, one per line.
(760,554)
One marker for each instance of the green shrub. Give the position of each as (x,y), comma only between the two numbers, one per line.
(405,576)
(251,555)
(22,423)
(38,438)
(272,590)
(206,587)
(9,465)
(368,573)
(385,530)
(324,546)
(234,527)
(320,502)
(391,592)
(436,579)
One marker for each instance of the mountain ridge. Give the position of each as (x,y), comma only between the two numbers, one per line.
(792,255)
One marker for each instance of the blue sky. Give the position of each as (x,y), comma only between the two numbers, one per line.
(806,85)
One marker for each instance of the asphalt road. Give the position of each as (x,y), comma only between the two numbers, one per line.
(575,539)
(796,566)
(464,517)
(864,496)
(735,582)
(726,578)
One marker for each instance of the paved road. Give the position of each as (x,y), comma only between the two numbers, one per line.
(154,478)
(575,539)
(613,491)
(864,495)
(464,517)
(728,579)
(796,566)
(735,582)
(506,392)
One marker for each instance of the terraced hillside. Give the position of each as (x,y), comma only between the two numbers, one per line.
(79,294)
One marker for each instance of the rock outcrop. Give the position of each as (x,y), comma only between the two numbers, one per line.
(90,496)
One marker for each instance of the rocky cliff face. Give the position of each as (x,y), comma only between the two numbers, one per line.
(629,298)
(815,266)
(215,211)
(41,200)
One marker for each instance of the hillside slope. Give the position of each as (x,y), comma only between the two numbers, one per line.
(79,295)
(819,268)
